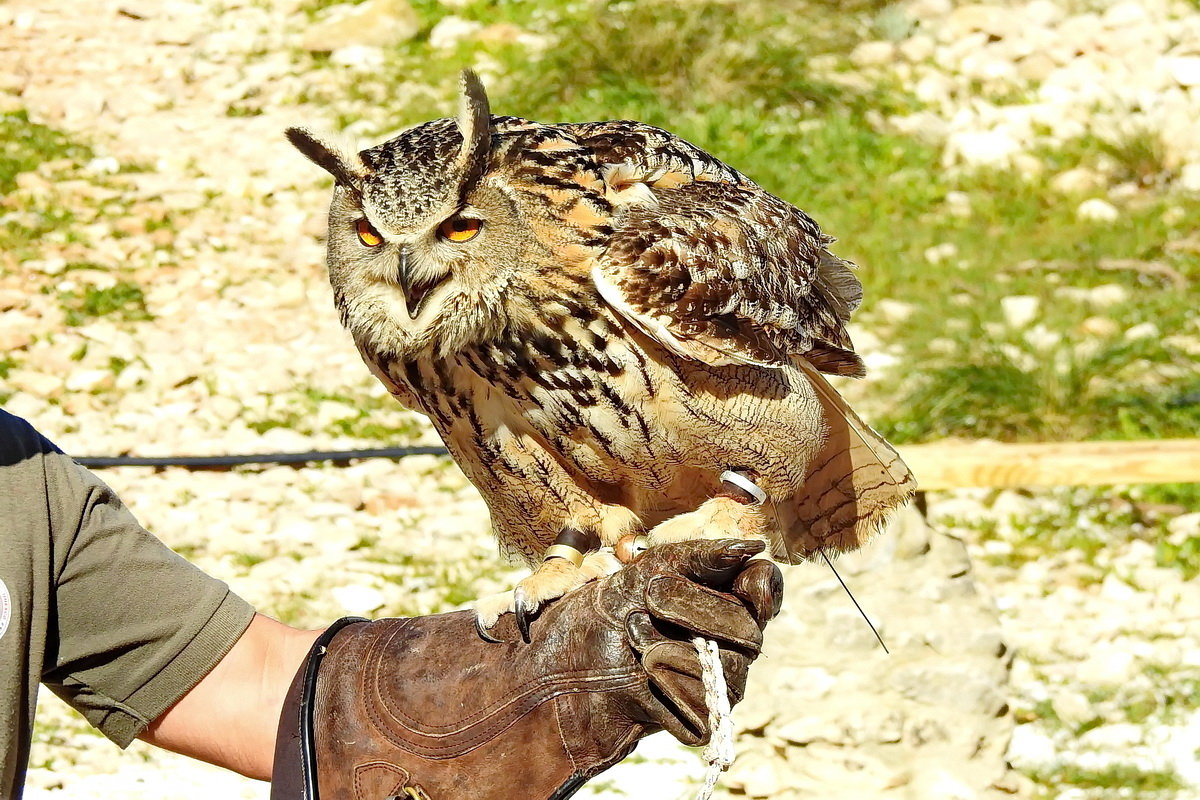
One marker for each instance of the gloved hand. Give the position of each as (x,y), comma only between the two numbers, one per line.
(425,708)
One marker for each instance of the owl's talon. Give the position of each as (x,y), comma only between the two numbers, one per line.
(525,610)
(483,632)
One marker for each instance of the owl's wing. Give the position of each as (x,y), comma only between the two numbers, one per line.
(726,273)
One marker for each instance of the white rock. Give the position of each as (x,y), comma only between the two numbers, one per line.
(917,48)
(873,54)
(1107,294)
(958,204)
(994,148)
(358,56)
(1123,15)
(1185,70)
(358,599)
(1039,337)
(451,30)
(1019,310)
(1072,707)
(1184,527)
(941,252)
(1100,327)
(1029,746)
(1079,180)
(1117,737)
(1107,664)
(1143,330)
(1189,177)
(992,19)
(1097,210)
(946,786)
(89,380)
(894,311)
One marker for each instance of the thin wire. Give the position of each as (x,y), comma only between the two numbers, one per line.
(224,462)
(853,600)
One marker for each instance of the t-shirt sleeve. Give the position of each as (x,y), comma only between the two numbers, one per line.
(135,625)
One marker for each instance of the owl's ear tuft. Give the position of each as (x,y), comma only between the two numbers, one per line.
(343,163)
(475,125)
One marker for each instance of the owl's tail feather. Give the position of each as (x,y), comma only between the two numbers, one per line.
(853,484)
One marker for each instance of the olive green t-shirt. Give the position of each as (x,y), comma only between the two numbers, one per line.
(91,605)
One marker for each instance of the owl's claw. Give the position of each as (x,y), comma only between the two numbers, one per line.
(525,609)
(483,632)
(550,581)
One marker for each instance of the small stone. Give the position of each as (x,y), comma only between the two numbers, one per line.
(15,332)
(89,380)
(1116,737)
(1185,70)
(358,56)
(1072,707)
(958,204)
(917,48)
(1029,746)
(994,20)
(873,54)
(451,30)
(39,384)
(1143,330)
(1184,527)
(1019,310)
(1097,210)
(894,311)
(1036,67)
(1100,327)
(808,729)
(1079,180)
(1189,178)
(1107,294)
(941,252)
(1108,664)
(361,600)
(994,148)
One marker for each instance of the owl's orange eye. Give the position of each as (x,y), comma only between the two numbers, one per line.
(460,229)
(367,233)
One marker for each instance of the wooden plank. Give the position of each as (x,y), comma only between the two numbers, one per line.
(955,465)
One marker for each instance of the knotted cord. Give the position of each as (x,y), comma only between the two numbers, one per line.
(719,753)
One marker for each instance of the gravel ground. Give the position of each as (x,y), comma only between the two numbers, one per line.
(218,220)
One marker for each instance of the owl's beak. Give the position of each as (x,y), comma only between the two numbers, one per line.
(415,290)
(404,273)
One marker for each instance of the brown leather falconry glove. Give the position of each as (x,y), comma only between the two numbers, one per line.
(425,708)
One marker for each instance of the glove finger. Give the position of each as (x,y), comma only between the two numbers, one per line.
(717,562)
(674,670)
(760,586)
(642,633)
(698,610)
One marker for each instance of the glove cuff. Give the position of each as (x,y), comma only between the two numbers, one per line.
(294,774)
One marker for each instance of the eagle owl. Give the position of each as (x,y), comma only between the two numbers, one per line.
(601,320)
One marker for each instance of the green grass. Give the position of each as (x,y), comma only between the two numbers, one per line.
(372,417)
(26,145)
(1117,780)
(123,300)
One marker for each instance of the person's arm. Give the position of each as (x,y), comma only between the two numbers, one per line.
(230,718)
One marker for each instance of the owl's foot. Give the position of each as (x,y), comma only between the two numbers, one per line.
(555,577)
(736,513)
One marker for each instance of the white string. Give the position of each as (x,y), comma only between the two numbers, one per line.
(719,752)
